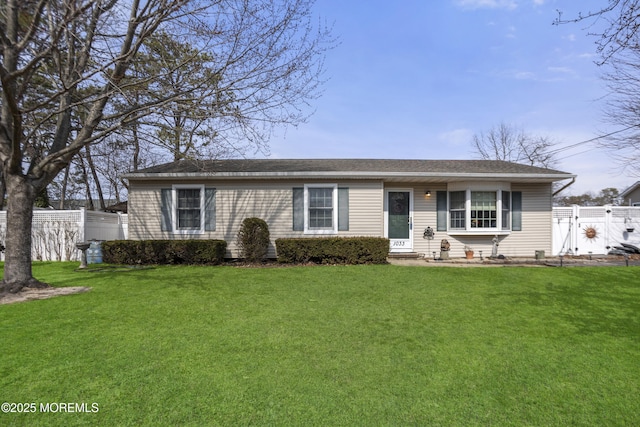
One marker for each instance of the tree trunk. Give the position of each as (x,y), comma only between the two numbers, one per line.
(17,266)
(96,178)
(63,191)
(136,148)
(85,177)
(3,190)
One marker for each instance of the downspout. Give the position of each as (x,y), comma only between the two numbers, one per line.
(573,180)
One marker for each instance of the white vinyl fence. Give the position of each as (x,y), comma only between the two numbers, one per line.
(55,233)
(594,230)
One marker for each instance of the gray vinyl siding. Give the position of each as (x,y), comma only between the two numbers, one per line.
(425,215)
(144,211)
(235,201)
(536,223)
(632,197)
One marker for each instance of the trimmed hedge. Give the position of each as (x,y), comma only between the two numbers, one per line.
(132,252)
(253,239)
(333,250)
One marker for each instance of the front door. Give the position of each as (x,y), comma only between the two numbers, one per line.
(398,212)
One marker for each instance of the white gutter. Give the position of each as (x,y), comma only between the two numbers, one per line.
(565,186)
(444,176)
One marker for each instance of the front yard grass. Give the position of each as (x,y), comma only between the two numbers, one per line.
(349,345)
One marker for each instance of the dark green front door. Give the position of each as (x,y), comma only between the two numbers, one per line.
(399,226)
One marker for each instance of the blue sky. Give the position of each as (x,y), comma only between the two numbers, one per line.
(417,79)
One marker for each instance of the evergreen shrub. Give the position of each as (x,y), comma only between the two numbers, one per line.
(159,252)
(253,239)
(333,250)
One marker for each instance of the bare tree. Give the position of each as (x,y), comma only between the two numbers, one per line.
(616,28)
(64,63)
(622,109)
(506,142)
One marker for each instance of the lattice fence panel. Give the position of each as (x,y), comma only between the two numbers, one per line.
(55,233)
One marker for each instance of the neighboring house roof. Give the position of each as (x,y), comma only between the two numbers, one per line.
(389,170)
(117,207)
(630,189)
(73,204)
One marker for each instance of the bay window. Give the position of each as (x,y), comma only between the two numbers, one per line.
(506,210)
(457,209)
(479,209)
(484,209)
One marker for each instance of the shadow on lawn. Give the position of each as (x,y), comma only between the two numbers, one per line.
(99,268)
(591,308)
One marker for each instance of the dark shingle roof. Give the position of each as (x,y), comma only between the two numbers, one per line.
(284,166)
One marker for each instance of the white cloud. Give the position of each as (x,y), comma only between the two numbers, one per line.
(456,137)
(524,75)
(493,4)
(564,70)
(486,4)
(586,55)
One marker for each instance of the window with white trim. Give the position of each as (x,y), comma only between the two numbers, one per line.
(320,209)
(320,213)
(457,210)
(506,210)
(188,209)
(477,210)
(484,209)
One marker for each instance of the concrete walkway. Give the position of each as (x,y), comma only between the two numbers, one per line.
(567,261)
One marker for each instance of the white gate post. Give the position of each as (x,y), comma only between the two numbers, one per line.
(82,224)
(575,229)
(607,229)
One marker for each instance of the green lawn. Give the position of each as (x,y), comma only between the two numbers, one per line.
(327,346)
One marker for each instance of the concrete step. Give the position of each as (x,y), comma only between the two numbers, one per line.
(403,255)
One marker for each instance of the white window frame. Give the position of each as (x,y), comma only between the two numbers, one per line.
(334,213)
(498,211)
(468,188)
(174,209)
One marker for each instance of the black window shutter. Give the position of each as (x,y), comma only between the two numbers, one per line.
(298,209)
(441,207)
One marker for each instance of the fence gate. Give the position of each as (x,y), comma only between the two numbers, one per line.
(594,229)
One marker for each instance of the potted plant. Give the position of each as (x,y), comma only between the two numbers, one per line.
(468,251)
(628,225)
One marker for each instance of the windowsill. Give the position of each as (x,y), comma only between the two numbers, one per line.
(186,232)
(321,232)
(483,232)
